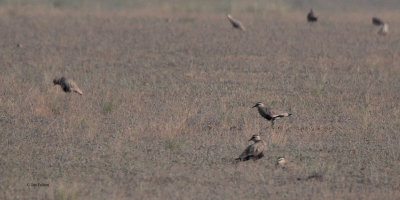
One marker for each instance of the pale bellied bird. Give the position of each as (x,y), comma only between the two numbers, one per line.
(236,23)
(384,30)
(67,85)
(311,17)
(281,162)
(253,151)
(269,114)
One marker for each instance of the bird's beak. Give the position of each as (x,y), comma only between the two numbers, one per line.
(254,106)
(250,139)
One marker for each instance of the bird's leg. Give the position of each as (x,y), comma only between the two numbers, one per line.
(272,123)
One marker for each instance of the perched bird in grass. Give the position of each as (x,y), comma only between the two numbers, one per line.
(311,17)
(236,23)
(384,30)
(376,21)
(281,162)
(269,114)
(67,85)
(253,151)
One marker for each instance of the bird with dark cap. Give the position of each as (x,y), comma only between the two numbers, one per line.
(270,114)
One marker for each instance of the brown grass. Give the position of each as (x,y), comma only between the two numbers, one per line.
(167,106)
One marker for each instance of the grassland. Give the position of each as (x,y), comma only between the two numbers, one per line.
(167,105)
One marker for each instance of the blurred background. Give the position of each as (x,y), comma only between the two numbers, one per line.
(212,6)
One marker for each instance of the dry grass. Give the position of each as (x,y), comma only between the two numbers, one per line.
(167,106)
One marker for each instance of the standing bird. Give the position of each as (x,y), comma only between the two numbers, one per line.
(253,151)
(384,30)
(67,85)
(311,17)
(236,23)
(376,21)
(270,114)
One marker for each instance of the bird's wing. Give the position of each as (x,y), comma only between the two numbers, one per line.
(235,23)
(277,113)
(231,20)
(265,112)
(246,152)
(257,148)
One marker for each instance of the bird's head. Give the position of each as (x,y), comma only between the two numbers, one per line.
(258,104)
(281,161)
(58,81)
(255,138)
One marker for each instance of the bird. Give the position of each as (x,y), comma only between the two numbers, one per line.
(311,17)
(376,21)
(236,23)
(384,30)
(269,114)
(68,85)
(280,162)
(253,151)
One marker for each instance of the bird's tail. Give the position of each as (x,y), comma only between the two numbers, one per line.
(284,115)
(79,91)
